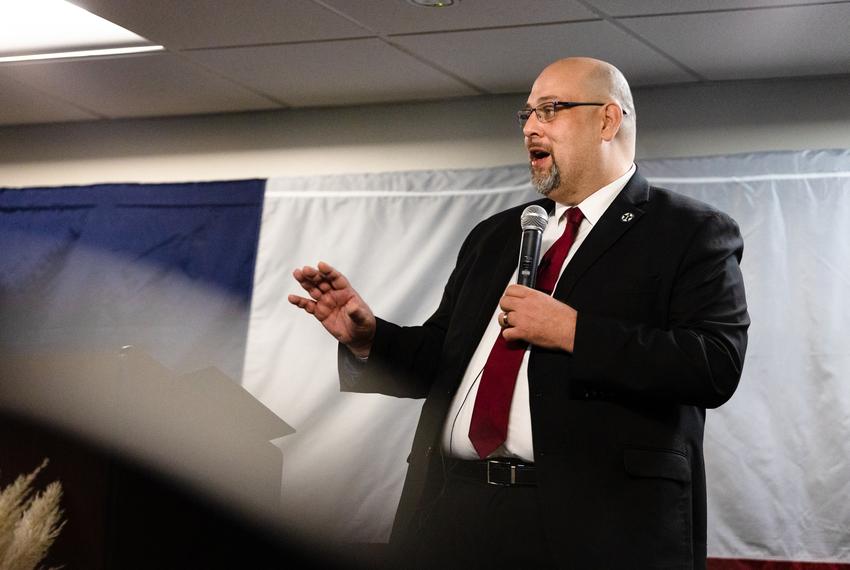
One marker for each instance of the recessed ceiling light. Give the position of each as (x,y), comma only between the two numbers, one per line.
(433,3)
(80,53)
(51,29)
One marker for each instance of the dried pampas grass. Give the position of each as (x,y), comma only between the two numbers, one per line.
(29,523)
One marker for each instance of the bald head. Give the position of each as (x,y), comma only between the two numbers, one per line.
(599,81)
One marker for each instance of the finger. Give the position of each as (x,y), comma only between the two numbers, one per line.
(300,301)
(516,319)
(509,304)
(311,289)
(517,291)
(334,277)
(295,299)
(314,292)
(308,272)
(306,304)
(313,281)
(299,275)
(313,275)
(512,334)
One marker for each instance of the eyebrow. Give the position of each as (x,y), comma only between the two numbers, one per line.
(544,99)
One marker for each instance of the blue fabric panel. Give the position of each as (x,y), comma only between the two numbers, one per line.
(168,267)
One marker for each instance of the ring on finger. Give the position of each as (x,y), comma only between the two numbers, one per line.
(504,320)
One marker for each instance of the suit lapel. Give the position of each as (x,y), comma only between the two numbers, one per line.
(623,214)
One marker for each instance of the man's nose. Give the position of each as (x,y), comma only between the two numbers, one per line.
(531,126)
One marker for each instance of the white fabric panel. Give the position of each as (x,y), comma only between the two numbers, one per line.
(396,237)
(778,454)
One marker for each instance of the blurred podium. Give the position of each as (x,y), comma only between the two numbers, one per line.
(201,432)
(205,426)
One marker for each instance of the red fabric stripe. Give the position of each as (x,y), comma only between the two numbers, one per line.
(745,564)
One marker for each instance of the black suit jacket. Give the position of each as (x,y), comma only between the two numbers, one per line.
(617,425)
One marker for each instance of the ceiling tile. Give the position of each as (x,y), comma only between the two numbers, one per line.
(324,52)
(792,41)
(400,16)
(20,104)
(149,85)
(508,60)
(644,7)
(333,73)
(203,23)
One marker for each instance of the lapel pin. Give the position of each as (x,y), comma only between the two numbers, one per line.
(627,217)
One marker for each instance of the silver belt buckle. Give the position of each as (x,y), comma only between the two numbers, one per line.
(513,473)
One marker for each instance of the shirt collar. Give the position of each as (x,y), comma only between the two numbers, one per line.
(595,205)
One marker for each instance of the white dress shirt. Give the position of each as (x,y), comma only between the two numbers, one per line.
(518,444)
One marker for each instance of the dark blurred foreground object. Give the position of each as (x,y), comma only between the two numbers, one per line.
(121,515)
(158,470)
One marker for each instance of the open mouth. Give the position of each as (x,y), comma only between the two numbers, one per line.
(537,155)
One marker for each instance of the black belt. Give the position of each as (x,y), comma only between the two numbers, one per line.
(508,473)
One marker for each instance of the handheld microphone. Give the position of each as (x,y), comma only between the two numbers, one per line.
(533,221)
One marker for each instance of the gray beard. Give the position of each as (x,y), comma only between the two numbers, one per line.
(544,183)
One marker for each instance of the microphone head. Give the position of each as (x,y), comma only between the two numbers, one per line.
(534,217)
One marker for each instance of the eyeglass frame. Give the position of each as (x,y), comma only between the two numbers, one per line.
(524,114)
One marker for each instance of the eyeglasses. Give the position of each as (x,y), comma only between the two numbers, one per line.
(546,111)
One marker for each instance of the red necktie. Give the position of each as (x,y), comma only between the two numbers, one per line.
(489,426)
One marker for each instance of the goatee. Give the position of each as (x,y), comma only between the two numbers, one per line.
(546,181)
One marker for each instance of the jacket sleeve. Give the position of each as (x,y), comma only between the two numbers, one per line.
(698,357)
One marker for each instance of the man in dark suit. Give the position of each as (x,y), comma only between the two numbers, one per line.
(595,460)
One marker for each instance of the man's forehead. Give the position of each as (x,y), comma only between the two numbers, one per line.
(555,82)
(564,94)
(534,101)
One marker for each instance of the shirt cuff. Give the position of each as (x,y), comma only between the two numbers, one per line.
(350,366)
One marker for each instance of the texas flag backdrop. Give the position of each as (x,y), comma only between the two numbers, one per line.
(197,275)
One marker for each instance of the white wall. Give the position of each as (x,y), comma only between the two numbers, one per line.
(686,120)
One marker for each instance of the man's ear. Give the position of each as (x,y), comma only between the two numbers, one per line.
(612,120)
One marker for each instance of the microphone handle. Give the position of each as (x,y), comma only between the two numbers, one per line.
(529,257)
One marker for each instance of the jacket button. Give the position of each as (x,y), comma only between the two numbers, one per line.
(429,451)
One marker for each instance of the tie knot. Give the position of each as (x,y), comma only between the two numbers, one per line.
(574,216)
